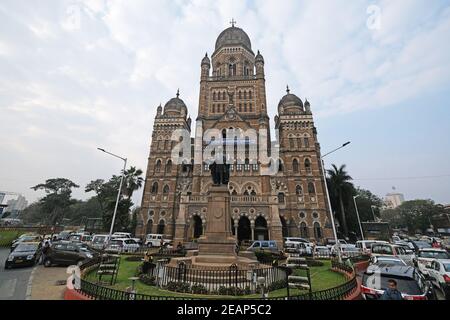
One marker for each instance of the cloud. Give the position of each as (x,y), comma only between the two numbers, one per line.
(75,75)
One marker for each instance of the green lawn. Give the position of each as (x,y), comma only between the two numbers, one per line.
(6,237)
(321,278)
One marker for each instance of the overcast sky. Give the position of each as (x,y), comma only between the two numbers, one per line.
(76,75)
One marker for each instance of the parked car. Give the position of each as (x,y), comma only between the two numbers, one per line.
(387,249)
(64,235)
(264,245)
(154,240)
(300,248)
(365,245)
(420,245)
(86,239)
(99,241)
(119,245)
(439,274)
(27,238)
(387,261)
(65,253)
(322,251)
(24,254)
(410,283)
(121,235)
(426,256)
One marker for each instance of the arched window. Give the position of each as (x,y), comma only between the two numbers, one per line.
(317,230)
(303,230)
(166,189)
(245,94)
(161,226)
(306,142)
(169,166)
(298,190)
(240,95)
(295,167)
(308,166)
(245,106)
(250,108)
(214,96)
(299,142)
(292,143)
(281,197)
(154,188)
(158,166)
(311,188)
(249,94)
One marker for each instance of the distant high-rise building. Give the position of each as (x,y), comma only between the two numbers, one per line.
(12,203)
(393,200)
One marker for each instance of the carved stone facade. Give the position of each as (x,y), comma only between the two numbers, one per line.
(233,95)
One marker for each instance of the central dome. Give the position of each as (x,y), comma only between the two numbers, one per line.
(233,36)
(175,106)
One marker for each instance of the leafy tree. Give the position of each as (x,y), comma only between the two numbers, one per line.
(133,181)
(340,192)
(416,215)
(106,196)
(58,198)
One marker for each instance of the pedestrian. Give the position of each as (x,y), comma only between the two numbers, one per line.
(45,251)
(392,293)
(147,260)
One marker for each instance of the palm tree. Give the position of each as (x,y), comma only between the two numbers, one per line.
(338,180)
(133,181)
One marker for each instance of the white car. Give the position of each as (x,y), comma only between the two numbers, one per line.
(365,245)
(426,256)
(154,240)
(121,235)
(119,245)
(99,241)
(322,251)
(294,240)
(439,273)
(387,261)
(347,250)
(387,249)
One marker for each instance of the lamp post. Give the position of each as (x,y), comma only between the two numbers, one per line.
(357,215)
(329,201)
(118,193)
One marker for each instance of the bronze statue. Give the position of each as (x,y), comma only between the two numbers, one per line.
(220,173)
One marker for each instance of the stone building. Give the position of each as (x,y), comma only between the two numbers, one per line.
(291,202)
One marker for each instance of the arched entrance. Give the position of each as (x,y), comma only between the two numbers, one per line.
(284,226)
(261,231)
(244,229)
(149,227)
(161,227)
(198,227)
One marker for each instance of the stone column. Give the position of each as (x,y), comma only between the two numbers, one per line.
(276,229)
(252,227)
(180,222)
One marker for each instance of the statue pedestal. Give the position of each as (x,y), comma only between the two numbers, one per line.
(218,238)
(217,247)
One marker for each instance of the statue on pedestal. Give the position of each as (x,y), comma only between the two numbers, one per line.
(220,173)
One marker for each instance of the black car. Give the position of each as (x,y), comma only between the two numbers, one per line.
(24,254)
(411,284)
(66,253)
(24,239)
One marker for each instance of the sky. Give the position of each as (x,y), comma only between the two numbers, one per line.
(77,75)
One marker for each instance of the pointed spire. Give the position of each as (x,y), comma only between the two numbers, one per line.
(287,89)
(206,55)
(178,93)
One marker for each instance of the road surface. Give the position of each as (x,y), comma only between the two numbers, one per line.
(13,282)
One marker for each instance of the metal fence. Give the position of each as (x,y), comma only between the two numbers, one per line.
(231,280)
(95,291)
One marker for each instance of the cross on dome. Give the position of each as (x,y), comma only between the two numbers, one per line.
(232,22)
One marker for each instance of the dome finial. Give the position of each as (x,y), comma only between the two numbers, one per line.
(287,89)
(232,22)
(178,93)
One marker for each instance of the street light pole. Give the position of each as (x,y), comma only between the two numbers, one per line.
(118,193)
(329,201)
(357,215)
